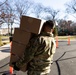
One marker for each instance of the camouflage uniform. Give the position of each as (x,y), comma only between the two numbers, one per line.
(39,54)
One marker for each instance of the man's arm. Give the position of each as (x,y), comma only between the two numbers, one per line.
(28,53)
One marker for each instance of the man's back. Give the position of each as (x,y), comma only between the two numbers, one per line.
(42,60)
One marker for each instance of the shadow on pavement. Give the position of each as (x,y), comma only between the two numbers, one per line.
(3,65)
(59,59)
(4,72)
(7,51)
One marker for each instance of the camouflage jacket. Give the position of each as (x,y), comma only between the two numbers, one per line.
(39,53)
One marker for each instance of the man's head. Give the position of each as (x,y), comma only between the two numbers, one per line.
(48,26)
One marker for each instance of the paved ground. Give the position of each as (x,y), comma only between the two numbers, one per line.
(4,58)
(4,51)
(64,60)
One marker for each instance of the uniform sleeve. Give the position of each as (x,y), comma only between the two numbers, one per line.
(53,46)
(28,53)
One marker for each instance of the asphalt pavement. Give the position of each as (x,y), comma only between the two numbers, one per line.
(4,51)
(64,62)
(4,58)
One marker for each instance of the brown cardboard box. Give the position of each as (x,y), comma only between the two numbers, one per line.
(16,53)
(17,48)
(20,40)
(30,24)
(21,36)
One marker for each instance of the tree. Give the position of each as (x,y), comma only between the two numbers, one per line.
(52,12)
(7,15)
(71,7)
(55,32)
(21,8)
(1,13)
(13,14)
(66,27)
(1,21)
(37,10)
(3,3)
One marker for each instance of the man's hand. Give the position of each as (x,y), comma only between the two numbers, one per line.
(15,67)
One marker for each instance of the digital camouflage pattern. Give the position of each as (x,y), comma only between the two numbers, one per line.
(39,54)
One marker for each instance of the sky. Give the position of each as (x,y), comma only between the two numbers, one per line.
(58,5)
(55,4)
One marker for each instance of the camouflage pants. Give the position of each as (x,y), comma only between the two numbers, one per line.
(35,73)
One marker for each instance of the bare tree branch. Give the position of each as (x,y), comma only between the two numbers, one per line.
(3,3)
(22,7)
(52,12)
(71,7)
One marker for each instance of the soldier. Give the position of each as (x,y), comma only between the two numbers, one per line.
(39,52)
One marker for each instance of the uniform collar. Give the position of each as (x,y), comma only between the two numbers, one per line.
(46,34)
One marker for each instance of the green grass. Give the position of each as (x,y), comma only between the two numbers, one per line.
(66,37)
(5,37)
(0,41)
(4,40)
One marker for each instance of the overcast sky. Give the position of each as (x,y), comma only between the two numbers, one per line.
(58,5)
(55,4)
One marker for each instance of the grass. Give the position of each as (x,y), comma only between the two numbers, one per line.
(0,41)
(4,40)
(66,37)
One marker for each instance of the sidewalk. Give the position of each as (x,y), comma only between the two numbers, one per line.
(4,51)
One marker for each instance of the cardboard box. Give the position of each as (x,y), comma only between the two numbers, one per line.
(14,58)
(17,52)
(21,36)
(30,24)
(17,48)
(20,40)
